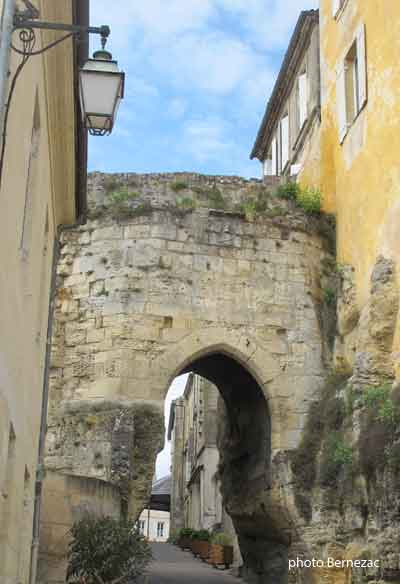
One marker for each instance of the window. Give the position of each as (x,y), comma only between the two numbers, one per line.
(142,525)
(351,86)
(284,142)
(337,6)
(160,529)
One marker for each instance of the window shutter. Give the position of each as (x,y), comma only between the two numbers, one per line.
(362,67)
(335,7)
(274,170)
(285,141)
(341,101)
(303,98)
(268,167)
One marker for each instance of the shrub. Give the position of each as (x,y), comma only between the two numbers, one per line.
(379,401)
(336,454)
(378,424)
(104,550)
(111,184)
(123,196)
(186,203)
(125,211)
(186,532)
(202,535)
(178,186)
(216,198)
(309,199)
(329,296)
(289,190)
(250,209)
(221,539)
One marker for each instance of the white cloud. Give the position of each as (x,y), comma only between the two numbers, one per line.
(212,62)
(268,22)
(177,108)
(206,139)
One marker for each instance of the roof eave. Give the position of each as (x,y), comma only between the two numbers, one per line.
(306,22)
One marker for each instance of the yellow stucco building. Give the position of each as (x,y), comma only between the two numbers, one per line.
(358,171)
(43,186)
(351,145)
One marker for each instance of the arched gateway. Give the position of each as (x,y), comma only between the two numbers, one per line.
(152,287)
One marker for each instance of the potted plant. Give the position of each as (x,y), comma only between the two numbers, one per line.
(185,538)
(203,543)
(221,550)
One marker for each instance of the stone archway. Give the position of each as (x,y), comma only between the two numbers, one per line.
(248,487)
(147,296)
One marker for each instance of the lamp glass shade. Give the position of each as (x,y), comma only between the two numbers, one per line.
(101,89)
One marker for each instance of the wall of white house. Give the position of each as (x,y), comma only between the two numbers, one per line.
(154,525)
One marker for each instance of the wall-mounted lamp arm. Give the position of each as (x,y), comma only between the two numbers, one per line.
(20,22)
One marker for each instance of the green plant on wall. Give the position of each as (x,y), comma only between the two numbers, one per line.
(111,183)
(123,196)
(329,296)
(186,203)
(378,400)
(250,209)
(336,455)
(178,186)
(216,198)
(309,199)
(288,191)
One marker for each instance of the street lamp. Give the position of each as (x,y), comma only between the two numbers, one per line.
(101,90)
(101,83)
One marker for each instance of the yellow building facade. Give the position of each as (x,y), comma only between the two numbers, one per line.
(42,188)
(357,168)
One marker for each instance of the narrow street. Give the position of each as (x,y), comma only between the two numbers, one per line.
(173,566)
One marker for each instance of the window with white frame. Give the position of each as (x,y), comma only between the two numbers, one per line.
(351,84)
(142,525)
(160,529)
(284,142)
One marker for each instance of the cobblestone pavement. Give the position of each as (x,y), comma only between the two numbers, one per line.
(172,566)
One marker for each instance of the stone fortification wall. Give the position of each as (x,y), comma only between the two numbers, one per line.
(169,270)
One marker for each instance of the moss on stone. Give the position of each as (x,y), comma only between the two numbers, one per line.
(326,416)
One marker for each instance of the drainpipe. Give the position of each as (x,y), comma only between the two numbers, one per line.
(43,421)
(7,25)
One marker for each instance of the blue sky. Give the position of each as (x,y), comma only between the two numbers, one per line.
(199,73)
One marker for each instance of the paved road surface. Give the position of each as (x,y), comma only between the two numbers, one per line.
(172,566)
